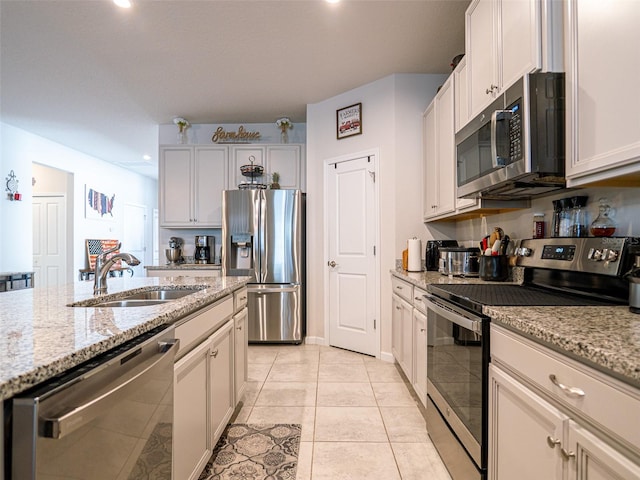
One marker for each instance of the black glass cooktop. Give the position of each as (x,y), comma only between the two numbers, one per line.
(476,295)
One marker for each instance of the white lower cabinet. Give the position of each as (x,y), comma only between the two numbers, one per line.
(401,333)
(593,459)
(210,371)
(409,334)
(191,438)
(221,381)
(420,355)
(523,430)
(241,334)
(554,419)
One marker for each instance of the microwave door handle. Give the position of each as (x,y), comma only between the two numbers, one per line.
(496,116)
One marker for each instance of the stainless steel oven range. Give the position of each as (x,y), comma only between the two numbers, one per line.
(558,272)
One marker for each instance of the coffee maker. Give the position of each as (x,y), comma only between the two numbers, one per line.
(205,249)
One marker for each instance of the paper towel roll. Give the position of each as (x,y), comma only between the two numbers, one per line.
(415,255)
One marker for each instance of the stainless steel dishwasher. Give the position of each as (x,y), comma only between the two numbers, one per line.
(110,418)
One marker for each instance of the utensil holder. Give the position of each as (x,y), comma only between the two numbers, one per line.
(494,268)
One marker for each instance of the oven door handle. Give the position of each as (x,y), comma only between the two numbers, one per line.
(458,319)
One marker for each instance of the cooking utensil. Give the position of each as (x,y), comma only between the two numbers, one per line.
(459,261)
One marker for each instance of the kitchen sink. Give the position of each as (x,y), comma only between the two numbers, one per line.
(129,303)
(144,298)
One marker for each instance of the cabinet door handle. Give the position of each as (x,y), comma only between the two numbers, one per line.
(552,441)
(214,354)
(239,328)
(398,287)
(422,330)
(567,455)
(570,391)
(398,307)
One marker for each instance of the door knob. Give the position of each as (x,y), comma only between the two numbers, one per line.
(332,263)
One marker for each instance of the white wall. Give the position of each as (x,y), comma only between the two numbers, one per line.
(19,150)
(391,123)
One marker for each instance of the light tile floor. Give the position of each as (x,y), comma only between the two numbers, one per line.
(359,420)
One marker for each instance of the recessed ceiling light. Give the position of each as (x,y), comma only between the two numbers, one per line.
(123,3)
(332,1)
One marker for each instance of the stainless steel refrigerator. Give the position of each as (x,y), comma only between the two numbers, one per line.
(263,236)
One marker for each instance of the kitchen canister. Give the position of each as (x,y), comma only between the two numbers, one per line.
(414,262)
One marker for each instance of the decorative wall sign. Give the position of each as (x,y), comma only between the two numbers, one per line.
(349,121)
(241,136)
(98,205)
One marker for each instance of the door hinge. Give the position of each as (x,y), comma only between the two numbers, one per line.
(374,323)
(374,249)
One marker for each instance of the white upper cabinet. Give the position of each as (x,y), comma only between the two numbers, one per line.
(286,159)
(191,182)
(439,154)
(245,155)
(603,103)
(506,39)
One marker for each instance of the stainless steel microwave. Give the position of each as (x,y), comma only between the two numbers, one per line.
(515,148)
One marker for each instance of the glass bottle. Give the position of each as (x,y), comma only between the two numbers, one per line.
(555,222)
(579,217)
(565,217)
(603,226)
(538,225)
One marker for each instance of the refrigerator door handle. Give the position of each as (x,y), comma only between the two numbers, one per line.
(285,289)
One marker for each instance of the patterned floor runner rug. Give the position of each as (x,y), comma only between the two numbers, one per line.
(255,452)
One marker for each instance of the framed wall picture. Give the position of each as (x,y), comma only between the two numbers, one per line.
(349,121)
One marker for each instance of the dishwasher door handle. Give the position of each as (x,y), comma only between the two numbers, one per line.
(79,416)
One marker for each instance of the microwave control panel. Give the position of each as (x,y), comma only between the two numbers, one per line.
(515,133)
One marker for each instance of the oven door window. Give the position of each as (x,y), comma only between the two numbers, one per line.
(454,368)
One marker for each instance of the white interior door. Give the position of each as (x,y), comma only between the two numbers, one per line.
(351,209)
(133,240)
(49,240)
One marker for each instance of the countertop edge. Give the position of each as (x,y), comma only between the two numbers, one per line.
(164,315)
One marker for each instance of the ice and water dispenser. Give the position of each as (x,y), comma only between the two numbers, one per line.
(240,255)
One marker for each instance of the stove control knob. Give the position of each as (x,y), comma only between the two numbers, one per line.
(590,254)
(612,256)
(524,252)
(597,255)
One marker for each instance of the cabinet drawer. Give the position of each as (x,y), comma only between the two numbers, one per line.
(239,299)
(418,300)
(607,403)
(402,288)
(202,324)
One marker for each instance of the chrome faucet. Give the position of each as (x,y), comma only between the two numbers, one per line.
(103,265)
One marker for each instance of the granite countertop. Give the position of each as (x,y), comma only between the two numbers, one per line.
(606,338)
(186,266)
(424,278)
(41,336)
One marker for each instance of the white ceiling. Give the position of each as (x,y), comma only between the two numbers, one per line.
(100,79)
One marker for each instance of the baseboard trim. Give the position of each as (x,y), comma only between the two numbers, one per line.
(387,357)
(315,341)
